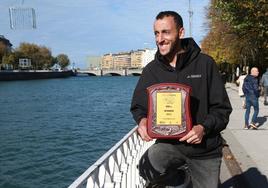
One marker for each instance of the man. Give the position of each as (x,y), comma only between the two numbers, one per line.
(264,84)
(251,91)
(180,61)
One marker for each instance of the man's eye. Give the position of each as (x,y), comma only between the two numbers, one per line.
(166,32)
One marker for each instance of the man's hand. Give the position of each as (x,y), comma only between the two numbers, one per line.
(195,135)
(142,130)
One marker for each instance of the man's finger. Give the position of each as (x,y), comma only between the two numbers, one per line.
(193,140)
(143,134)
(186,137)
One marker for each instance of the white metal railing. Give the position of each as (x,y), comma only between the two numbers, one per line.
(118,167)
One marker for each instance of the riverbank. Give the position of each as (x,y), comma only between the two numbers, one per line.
(34,74)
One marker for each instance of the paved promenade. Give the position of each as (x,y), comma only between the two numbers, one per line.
(249,147)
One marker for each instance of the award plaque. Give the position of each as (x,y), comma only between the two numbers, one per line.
(169,113)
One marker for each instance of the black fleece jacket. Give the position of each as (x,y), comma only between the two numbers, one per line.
(210,105)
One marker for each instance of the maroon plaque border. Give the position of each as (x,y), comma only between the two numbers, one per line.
(171,86)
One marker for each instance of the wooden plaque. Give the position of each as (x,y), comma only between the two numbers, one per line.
(169,114)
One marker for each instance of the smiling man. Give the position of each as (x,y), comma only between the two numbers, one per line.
(179,60)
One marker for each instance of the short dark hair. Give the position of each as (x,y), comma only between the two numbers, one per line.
(177,18)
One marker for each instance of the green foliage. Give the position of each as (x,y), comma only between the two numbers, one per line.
(3,51)
(10,59)
(41,57)
(63,60)
(238,32)
(245,17)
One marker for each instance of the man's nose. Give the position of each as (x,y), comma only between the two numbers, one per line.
(159,38)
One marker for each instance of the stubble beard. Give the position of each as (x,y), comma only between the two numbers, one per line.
(173,50)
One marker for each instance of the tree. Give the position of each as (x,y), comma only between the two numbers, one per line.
(46,59)
(238,32)
(247,25)
(248,21)
(63,60)
(216,43)
(11,58)
(40,56)
(3,51)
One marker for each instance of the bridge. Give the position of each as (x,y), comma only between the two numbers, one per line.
(111,72)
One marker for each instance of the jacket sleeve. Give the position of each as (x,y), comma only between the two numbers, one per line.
(256,88)
(140,99)
(218,103)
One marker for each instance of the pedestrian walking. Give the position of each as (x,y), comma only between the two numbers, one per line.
(251,91)
(264,85)
(240,82)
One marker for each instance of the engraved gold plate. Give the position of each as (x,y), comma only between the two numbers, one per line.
(168,108)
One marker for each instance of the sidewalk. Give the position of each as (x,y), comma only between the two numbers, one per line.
(249,147)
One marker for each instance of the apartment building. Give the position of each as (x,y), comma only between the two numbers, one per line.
(122,60)
(136,59)
(107,61)
(133,59)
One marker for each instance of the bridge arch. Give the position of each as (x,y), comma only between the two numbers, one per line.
(112,74)
(91,74)
(134,74)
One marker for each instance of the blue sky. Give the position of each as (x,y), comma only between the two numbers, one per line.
(80,28)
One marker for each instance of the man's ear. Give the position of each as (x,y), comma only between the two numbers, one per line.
(181,32)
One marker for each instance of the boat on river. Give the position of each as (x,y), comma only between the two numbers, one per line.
(11,75)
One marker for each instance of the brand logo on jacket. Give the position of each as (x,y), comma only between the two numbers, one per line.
(194,76)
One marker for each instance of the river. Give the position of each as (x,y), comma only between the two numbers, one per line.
(52,130)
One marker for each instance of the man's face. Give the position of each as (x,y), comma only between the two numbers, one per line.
(254,72)
(166,35)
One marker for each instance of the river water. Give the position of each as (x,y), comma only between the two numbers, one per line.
(52,130)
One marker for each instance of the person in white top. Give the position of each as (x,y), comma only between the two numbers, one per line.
(240,82)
